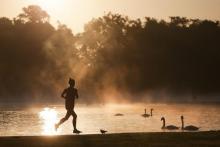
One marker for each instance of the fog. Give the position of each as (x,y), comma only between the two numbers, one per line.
(115,59)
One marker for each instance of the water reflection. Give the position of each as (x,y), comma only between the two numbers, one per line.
(49,118)
(41,120)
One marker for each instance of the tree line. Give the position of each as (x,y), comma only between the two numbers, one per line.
(113,54)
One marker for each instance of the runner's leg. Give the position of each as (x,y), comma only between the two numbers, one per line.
(68,113)
(74,119)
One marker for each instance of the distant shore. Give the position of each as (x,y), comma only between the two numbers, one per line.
(160,139)
(28,105)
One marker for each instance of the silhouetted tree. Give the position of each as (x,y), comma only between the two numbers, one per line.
(35,14)
(114,52)
(27,44)
(179,56)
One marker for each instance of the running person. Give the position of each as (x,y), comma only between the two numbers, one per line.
(69,94)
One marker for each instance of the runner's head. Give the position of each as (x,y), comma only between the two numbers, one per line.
(72,82)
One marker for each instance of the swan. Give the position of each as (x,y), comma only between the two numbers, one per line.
(188,128)
(119,114)
(170,127)
(148,115)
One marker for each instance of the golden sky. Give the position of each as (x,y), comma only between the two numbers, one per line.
(75,13)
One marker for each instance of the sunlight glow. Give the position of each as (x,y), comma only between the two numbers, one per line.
(49,5)
(49,118)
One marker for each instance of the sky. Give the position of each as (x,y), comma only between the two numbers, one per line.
(75,13)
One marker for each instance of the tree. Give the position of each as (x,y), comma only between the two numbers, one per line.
(34,14)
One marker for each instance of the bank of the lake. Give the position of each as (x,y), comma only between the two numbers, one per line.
(160,139)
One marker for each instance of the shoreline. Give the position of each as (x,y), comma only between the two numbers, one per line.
(157,139)
(5,106)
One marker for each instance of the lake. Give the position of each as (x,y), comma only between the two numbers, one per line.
(41,120)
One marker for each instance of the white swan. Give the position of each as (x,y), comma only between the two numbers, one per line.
(188,128)
(169,127)
(148,115)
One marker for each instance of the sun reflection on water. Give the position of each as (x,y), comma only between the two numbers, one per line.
(49,118)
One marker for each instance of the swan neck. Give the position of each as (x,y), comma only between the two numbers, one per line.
(182,123)
(145,111)
(164,123)
(151,113)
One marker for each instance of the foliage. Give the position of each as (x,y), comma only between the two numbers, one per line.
(182,55)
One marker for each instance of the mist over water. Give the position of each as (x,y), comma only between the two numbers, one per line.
(115,59)
(40,121)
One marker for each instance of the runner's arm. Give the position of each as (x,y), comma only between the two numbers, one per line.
(63,95)
(77,96)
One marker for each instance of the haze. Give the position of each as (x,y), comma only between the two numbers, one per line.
(75,13)
(112,57)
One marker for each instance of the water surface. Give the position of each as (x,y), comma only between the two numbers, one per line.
(40,121)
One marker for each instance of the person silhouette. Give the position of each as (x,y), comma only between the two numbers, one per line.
(69,94)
